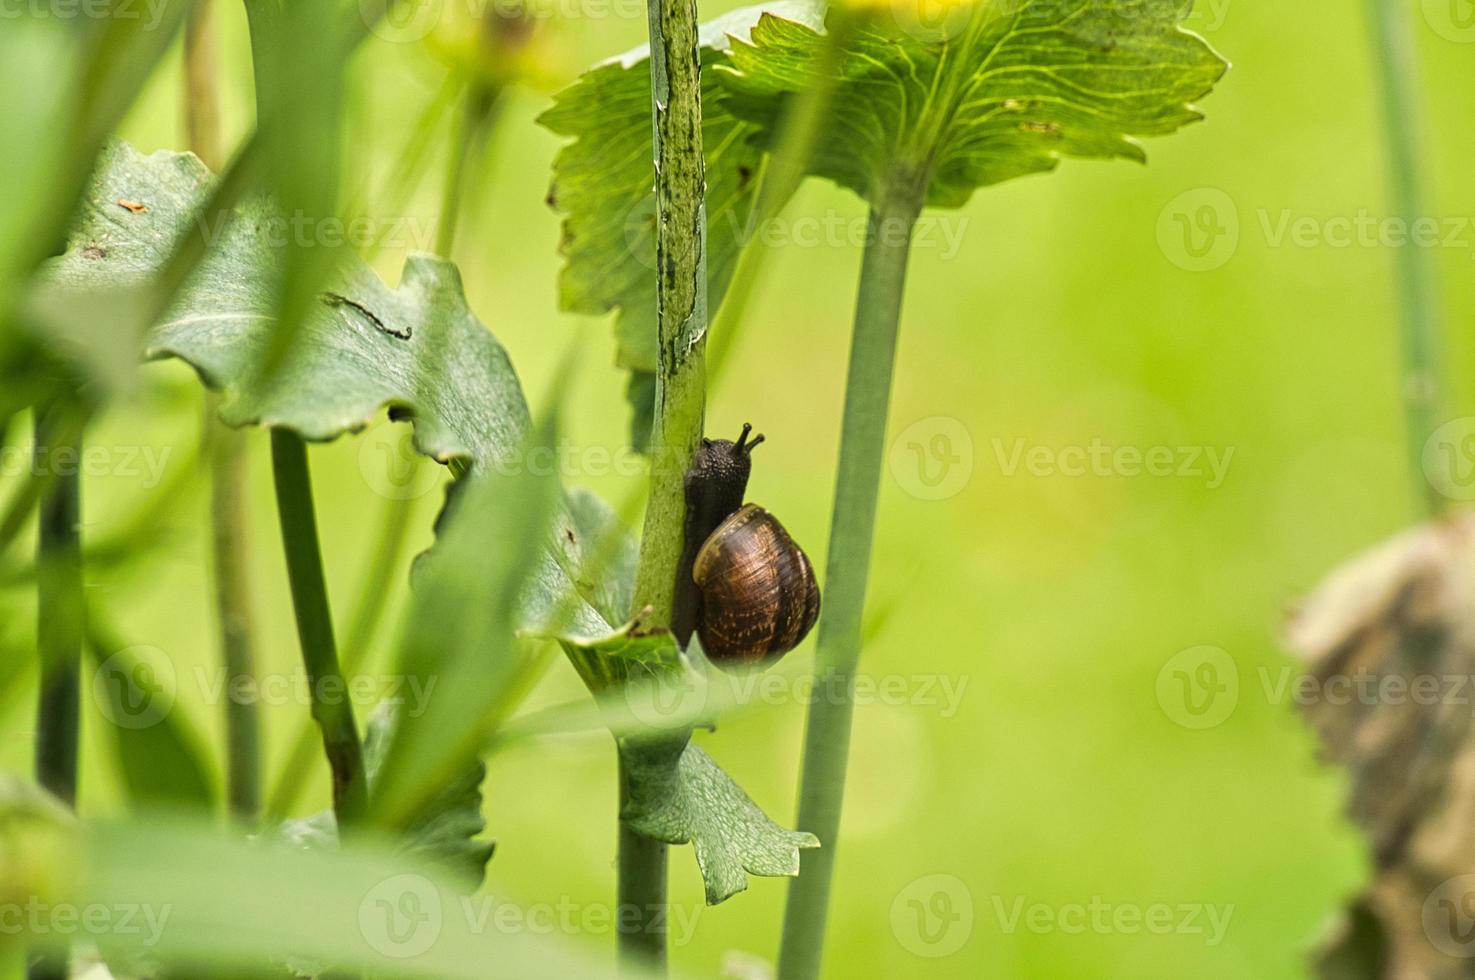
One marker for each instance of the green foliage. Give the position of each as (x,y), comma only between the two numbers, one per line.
(160,754)
(679,795)
(444,833)
(602,184)
(234,904)
(999,90)
(361,347)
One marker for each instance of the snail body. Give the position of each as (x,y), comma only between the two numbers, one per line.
(759,598)
(743,585)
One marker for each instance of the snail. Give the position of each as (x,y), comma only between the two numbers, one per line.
(744,586)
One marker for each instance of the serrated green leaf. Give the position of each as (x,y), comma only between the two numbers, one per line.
(1001,89)
(679,795)
(603,182)
(650,697)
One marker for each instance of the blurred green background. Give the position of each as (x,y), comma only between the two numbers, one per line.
(1054,602)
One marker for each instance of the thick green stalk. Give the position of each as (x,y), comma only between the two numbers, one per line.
(642,871)
(1418,307)
(331,708)
(681,312)
(858,482)
(58,626)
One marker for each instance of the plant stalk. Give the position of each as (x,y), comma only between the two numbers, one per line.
(681,313)
(642,871)
(230,541)
(330,706)
(58,607)
(229,534)
(1421,328)
(58,629)
(857,487)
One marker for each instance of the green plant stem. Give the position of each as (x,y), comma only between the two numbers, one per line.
(857,486)
(226,452)
(482,101)
(642,874)
(230,547)
(58,610)
(201,87)
(330,706)
(1421,331)
(681,313)
(58,630)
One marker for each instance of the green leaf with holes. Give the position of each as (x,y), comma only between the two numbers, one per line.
(417,350)
(603,181)
(993,90)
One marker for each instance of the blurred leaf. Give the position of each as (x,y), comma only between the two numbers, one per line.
(679,795)
(353,907)
(446,830)
(300,80)
(491,562)
(127,48)
(604,554)
(37,843)
(34,147)
(67,83)
(161,756)
(993,90)
(603,183)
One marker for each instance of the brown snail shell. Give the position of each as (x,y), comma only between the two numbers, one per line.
(759,598)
